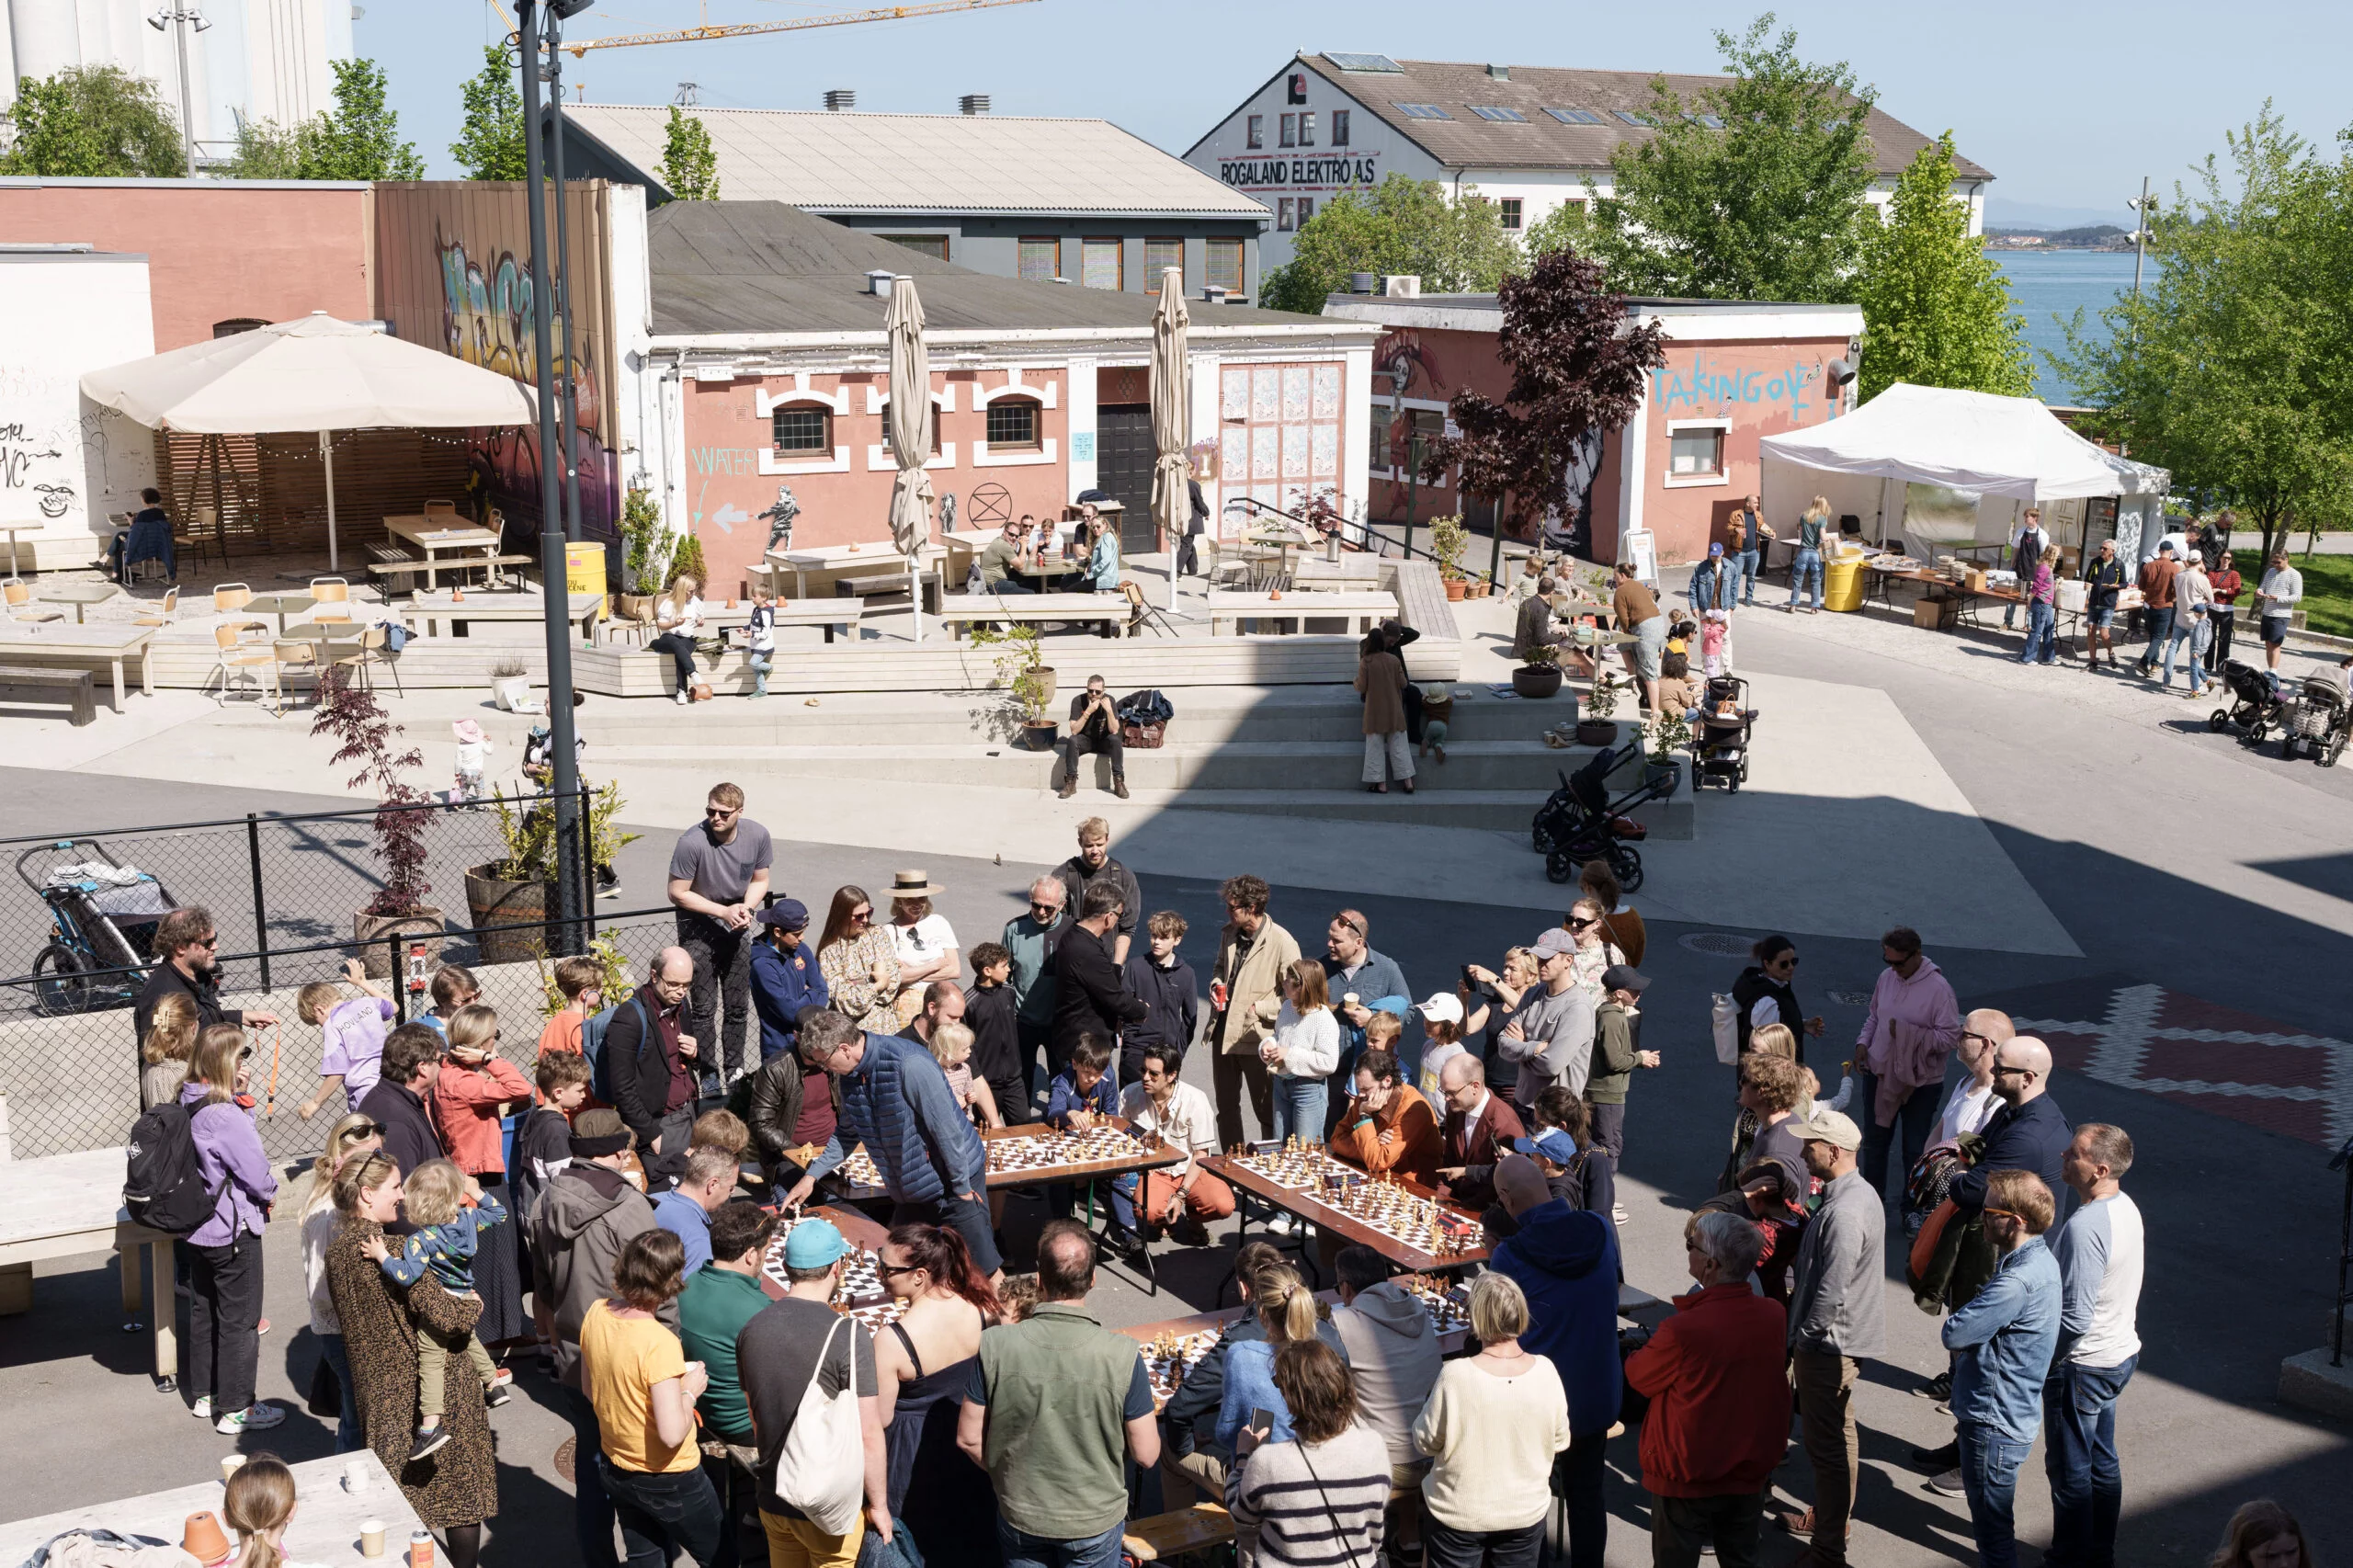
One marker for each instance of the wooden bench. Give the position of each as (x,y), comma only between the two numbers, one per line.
(1162,1536)
(23,683)
(1357,608)
(956,610)
(827,615)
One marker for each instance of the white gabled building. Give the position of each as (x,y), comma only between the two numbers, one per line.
(1527,137)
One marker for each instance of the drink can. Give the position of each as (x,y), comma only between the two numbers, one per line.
(420,1549)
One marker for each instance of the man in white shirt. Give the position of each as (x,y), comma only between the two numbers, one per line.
(1183,1197)
(2276,601)
(1970,1104)
(2099,1256)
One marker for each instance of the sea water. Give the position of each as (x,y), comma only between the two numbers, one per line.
(2048,283)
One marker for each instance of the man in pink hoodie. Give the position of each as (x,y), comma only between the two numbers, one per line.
(1900,1057)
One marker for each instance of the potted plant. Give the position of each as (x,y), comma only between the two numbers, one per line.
(1669,737)
(364,733)
(518,888)
(510,682)
(1449,539)
(645,554)
(1028,683)
(1538,675)
(1595,728)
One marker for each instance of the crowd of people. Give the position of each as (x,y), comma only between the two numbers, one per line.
(996,1421)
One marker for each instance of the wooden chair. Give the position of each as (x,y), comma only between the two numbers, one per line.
(376,649)
(20,596)
(160,614)
(228,598)
(292,654)
(440,508)
(241,646)
(331,590)
(331,617)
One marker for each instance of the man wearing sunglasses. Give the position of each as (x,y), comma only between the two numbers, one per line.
(188,942)
(1031,940)
(2002,1344)
(719,880)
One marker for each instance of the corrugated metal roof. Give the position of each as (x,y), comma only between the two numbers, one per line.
(927,163)
(762,267)
(1542,141)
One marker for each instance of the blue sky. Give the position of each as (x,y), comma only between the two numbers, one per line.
(2068,102)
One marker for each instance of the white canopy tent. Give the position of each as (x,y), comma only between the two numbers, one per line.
(316,374)
(1982,447)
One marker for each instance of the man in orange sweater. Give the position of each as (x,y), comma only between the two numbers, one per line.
(1388,1126)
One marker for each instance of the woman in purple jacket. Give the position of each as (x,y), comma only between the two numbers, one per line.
(224,1274)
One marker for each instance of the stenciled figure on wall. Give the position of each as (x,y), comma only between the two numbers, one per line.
(55,499)
(1574,531)
(780,518)
(948,513)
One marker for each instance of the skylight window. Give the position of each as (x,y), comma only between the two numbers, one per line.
(1496,111)
(1631,118)
(1574,116)
(1422,111)
(1365,62)
(1713,122)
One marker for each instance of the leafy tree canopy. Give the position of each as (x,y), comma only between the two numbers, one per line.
(1935,308)
(360,138)
(92,121)
(490,143)
(689,167)
(1764,203)
(1400,225)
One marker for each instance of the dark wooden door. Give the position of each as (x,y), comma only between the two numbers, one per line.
(1124,455)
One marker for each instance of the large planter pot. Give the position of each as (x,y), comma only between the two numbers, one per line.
(1596,732)
(1455,588)
(1039,734)
(1536,680)
(1046,682)
(495,901)
(421,926)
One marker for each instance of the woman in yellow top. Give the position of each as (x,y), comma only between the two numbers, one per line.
(644,1390)
(861,962)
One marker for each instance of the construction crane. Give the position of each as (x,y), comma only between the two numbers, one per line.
(746,29)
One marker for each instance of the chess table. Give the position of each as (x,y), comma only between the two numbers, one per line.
(1402,1220)
(1034,1154)
(862,1295)
(1174,1346)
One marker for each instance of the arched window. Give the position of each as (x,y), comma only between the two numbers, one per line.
(803,430)
(1015,425)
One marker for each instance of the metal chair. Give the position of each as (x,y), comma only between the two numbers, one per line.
(440,508)
(241,646)
(1140,614)
(228,598)
(160,614)
(376,649)
(292,654)
(331,590)
(20,596)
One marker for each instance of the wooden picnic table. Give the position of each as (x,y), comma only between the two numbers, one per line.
(69,1204)
(955,609)
(432,609)
(325,1528)
(879,556)
(1361,606)
(104,642)
(441,535)
(81,595)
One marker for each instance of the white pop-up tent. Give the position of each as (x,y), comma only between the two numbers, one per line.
(2010,448)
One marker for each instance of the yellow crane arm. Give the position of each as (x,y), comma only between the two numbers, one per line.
(746,30)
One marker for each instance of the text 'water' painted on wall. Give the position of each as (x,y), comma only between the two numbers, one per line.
(1709,387)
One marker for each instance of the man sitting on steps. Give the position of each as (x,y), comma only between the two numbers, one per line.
(1093,727)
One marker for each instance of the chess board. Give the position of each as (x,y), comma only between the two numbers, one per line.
(861,1270)
(1046,1149)
(1296,1165)
(1449,1303)
(1402,1222)
(1168,1358)
(859,1169)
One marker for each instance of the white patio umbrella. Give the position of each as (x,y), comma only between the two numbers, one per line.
(910,436)
(1172,405)
(317,373)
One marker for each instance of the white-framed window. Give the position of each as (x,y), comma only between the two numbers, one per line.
(1695,452)
(802,430)
(1254,135)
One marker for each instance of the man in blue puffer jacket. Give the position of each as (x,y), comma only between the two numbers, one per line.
(1565,1261)
(895,1099)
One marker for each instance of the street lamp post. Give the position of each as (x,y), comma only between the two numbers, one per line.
(179,17)
(559,269)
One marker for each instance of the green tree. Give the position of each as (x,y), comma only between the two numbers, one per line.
(1935,309)
(2230,370)
(267,150)
(360,138)
(1752,189)
(1402,225)
(688,166)
(91,121)
(489,145)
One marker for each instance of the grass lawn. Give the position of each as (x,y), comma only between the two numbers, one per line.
(2328,591)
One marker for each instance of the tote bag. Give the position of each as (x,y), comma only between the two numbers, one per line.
(1724,1018)
(822,1468)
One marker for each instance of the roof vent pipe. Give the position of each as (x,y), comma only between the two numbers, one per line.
(878,282)
(1500,73)
(840,98)
(973,103)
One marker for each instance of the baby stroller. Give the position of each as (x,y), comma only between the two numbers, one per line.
(1720,738)
(2257,704)
(1579,822)
(2319,719)
(102,918)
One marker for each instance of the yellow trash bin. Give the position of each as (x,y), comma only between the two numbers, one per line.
(584,571)
(1842,584)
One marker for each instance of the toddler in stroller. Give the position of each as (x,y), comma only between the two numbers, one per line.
(1720,737)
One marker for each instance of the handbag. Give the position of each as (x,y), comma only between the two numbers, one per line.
(1724,1018)
(821,1470)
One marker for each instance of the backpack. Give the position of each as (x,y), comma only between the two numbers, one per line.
(164,1185)
(821,1470)
(592,1045)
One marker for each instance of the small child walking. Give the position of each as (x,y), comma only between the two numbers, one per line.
(760,639)
(473,759)
(1715,643)
(352,1059)
(450,1212)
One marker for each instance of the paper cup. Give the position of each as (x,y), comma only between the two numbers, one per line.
(229,1466)
(355,1477)
(371,1538)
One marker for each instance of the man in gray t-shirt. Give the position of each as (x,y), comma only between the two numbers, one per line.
(718,878)
(1551,1038)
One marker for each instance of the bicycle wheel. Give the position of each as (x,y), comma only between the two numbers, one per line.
(60,983)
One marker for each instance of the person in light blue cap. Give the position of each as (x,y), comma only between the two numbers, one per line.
(813,1244)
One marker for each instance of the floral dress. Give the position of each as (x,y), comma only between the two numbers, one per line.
(1589,964)
(849,968)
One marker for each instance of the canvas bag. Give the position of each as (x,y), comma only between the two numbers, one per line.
(821,1470)
(1723,1017)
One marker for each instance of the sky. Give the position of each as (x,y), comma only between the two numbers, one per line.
(2069,102)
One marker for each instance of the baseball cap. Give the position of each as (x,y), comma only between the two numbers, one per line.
(1556,942)
(1393,1005)
(1714,549)
(1552,1143)
(1443,1008)
(1624,977)
(1827,1127)
(813,1244)
(2165,547)
(789,913)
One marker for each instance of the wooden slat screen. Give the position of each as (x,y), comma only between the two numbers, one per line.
(271,490)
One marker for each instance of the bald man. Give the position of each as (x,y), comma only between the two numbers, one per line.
(652,1060)
(1477,1132)
(1970,1103)
(2029,1132)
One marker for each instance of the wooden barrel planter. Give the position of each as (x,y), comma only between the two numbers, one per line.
(375,953)
(495,901)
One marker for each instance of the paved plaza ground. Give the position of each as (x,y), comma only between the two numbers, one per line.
(2173,913)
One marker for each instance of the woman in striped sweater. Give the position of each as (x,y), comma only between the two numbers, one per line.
(1318,1500)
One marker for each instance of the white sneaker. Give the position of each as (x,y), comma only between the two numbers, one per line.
(254,1417)
(1618,1212)
(680,698)
(203,1408)
(1283,1224)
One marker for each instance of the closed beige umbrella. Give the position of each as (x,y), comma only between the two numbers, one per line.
(910,436)
(1172,424)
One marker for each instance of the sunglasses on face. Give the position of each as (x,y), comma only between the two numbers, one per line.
(2022,1072)
(366,1130)
(887,1269)
(2005,1214)
(1583,924)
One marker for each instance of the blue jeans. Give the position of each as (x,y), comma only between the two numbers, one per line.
(662,1516)
(1916,1117)
(591,1507)
(1752,566)
(1806,568)
(2042,634)
(762,661)
(2160,627)
(349,1437)
(1022,1549)
(2079,1455)
(2189,634)
(1299,1107)
(1989,1477)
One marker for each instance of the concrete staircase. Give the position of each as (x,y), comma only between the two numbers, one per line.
(1290,750)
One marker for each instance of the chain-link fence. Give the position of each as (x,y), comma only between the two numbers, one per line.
(70,1081)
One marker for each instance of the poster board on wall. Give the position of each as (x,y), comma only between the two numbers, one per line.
(1640,547)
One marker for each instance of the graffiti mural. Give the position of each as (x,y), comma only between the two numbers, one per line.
(1710,387)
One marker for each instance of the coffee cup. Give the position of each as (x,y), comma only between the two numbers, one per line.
(371,1538)
(229,1466)
(355,1477)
